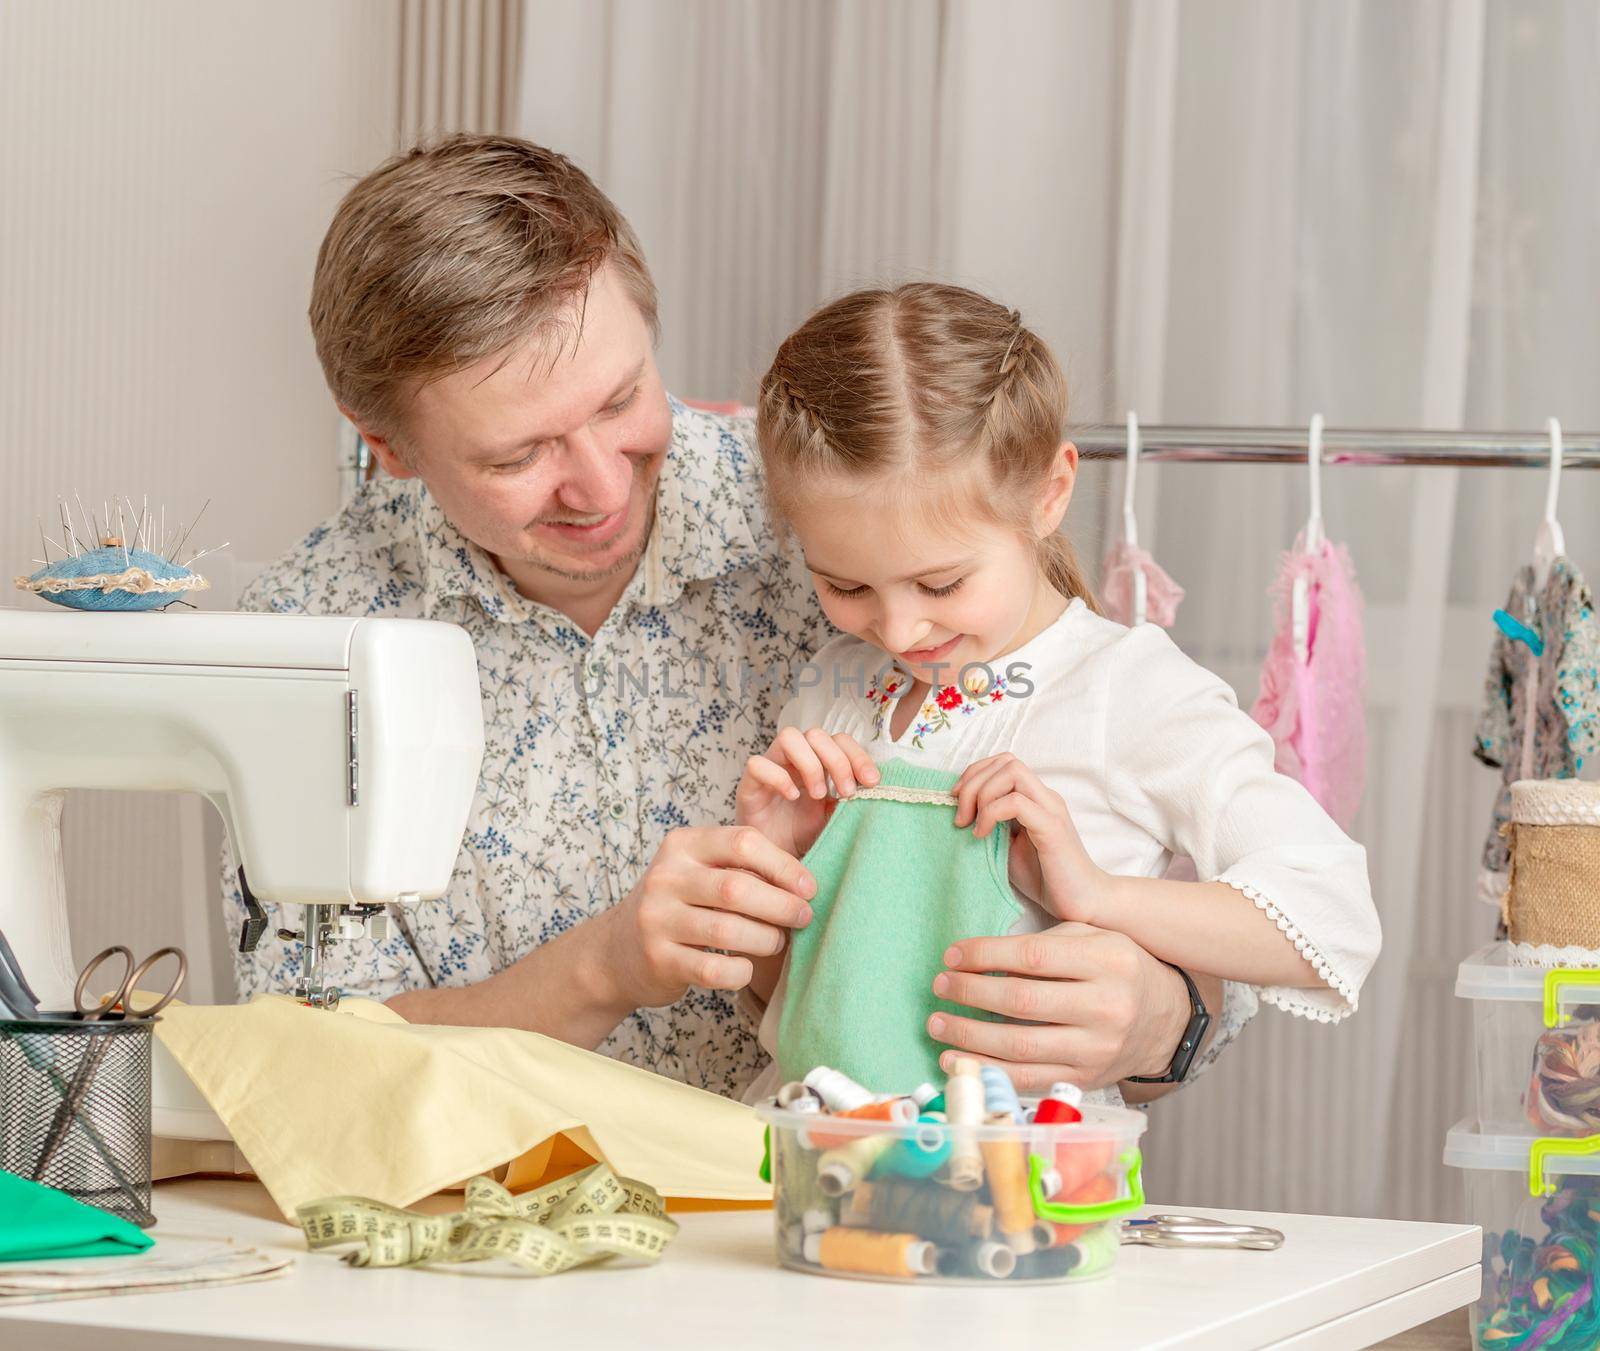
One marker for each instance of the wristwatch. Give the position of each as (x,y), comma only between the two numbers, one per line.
(1188,1044)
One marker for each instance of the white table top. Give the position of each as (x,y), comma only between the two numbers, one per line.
(1336,1283)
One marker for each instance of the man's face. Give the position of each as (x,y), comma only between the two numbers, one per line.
(550,465)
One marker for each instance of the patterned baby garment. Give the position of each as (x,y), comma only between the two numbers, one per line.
(897,884)
(1541,711)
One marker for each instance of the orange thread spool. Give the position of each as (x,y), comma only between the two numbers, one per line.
(871,1254)
(1100,1188)
(894,1111)
(1077,1161)
(1007,1164)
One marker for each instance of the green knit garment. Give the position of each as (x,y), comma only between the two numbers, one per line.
(897,884)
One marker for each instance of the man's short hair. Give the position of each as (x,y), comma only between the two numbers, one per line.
(451,253)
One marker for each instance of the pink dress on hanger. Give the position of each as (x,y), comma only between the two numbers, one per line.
(1316,709)
(1162,595)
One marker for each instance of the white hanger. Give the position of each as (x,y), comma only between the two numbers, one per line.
(1550,544)
(1300,597)
(1130,526)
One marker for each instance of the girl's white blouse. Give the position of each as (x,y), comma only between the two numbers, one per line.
(1154,759)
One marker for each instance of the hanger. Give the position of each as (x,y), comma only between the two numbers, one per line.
(1549,544)
(1300,597)
(1130,526)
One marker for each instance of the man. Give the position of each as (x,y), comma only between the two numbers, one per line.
(485,317)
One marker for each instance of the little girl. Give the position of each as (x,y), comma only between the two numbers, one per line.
(985,730)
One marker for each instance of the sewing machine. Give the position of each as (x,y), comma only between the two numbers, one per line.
(341,753)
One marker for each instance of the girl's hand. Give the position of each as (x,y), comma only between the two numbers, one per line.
(1048,862)
(784,793)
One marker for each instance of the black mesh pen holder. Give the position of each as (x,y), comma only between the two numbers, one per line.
(75,1109)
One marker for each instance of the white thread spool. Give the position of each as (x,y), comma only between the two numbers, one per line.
(994,1259)
(963,1101)
(798,1097)
(837,1090)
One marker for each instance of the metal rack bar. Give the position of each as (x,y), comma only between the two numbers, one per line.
(1363,445)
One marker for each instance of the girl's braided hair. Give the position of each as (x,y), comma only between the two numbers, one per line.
(921,381)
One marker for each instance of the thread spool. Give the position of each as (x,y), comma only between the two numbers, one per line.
(963,1096)
(1007,1165)
(892,1111)
(921,1153)
(1060,1106)
(1096,1250)
(1048,1264)
(841,1168)
(794,1169)
(1100,1188)
(792,1238)
(1079,1161)
(838,1091)
(1000,1101)
(797,1097)
(985,1260)
(1050,1183)
(900,1206)
(922,1095)
(871,1254)
(818,1218)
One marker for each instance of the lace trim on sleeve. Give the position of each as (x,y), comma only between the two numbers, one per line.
(1298,1002)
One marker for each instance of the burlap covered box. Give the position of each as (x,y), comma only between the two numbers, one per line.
(1553,896)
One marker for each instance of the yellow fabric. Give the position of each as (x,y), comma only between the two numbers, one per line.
(360,1102)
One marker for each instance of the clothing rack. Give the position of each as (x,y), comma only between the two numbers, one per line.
(1363,446)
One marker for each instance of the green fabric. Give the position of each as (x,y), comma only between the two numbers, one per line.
(897,884)
(41,1222)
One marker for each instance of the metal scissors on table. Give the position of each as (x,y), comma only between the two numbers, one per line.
(1198,1231)
(117,1005)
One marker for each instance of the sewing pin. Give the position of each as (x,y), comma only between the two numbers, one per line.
(185,538)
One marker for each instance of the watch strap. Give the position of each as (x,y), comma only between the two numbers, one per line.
(1188,1044)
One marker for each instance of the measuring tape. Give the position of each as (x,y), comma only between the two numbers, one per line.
(586,1217)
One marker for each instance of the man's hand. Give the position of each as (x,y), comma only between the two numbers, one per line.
(712,898)
(1095,1006)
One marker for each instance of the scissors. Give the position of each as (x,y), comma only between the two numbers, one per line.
(17,999)
(1197,1231)
(116,1004)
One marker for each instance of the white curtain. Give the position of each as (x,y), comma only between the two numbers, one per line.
(1232,212)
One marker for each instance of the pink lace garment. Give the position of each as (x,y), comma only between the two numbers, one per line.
(1162,595)
(1316,709)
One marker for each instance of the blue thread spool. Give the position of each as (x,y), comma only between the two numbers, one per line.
(999,1094)
(921,1152)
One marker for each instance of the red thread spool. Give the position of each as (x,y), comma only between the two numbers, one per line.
(1059,1106)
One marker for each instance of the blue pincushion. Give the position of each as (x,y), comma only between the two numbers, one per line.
(113,578)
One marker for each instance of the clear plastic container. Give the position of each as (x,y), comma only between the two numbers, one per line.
(1537,1199)
(879,1200)
(1533,1077)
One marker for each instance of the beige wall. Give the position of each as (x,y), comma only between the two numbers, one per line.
(167,170)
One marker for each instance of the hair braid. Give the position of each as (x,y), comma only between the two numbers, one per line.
(916,384)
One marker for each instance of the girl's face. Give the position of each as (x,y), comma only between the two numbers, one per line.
(934,600)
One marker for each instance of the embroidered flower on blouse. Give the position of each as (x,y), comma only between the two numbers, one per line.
(938,713)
